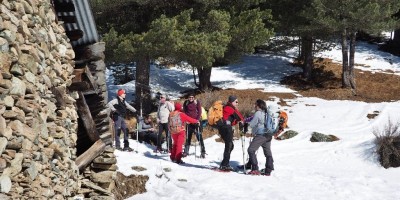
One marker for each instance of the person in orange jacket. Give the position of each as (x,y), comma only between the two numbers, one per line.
(176,125)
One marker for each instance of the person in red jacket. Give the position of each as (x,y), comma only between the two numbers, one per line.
(176,125)
(231,116)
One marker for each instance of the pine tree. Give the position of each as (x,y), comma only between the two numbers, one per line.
(347,17)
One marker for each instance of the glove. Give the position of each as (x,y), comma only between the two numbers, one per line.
(246,127)
(241,127)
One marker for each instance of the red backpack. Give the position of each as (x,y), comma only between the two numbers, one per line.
(175,124)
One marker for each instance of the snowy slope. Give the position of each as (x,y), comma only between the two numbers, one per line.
(345,169)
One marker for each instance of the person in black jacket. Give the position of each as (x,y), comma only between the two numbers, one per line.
(119,108)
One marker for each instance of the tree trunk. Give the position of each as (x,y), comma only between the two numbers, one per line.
(204,78)
(352,81)
(345,62)
(194,77)
(308,65)
(302,50)
(143,97)
(396,36)
(126,74)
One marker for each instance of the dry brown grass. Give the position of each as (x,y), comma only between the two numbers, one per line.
(388,144)
(246,98)
(371,87)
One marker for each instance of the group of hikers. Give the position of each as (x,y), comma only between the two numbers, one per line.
(180,122)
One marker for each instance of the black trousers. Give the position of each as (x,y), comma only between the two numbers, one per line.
(226,133)
(164,127)
(148,136)
(194,128)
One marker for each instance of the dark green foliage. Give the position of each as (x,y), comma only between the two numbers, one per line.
(371,16)
(388,145)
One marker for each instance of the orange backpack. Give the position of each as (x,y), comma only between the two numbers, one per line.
(215,112)
(175,123)
(283,119)
(282,124)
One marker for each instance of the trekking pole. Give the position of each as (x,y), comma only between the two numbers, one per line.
(137,137)
(167,135)
(243,147)
(199,138)
(137,127)
(195,149)
(186,139)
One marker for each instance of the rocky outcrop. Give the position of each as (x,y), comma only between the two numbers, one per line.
(319,137)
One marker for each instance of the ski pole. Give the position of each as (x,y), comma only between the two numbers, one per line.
(199,139)
(243,147)
(195,150)
(137,137)
(187,140)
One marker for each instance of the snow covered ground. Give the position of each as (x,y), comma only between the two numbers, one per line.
(345,169)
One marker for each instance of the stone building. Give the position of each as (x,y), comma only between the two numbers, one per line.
(54,143)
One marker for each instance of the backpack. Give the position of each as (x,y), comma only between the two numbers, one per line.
(275,121)
(203,114)
(215,113)
(175,124)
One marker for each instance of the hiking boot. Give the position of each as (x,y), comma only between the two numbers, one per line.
(184,154)
(225,168)
(203,155)
(180,162)
(127,149)
(118,148)
(255,172)
(264,173)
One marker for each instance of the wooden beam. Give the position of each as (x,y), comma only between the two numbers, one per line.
(79,86)
(90,78)
(74,35)
(88,122)
(89,155)
(67,19)
(83,81)
(89,53)
(62,6)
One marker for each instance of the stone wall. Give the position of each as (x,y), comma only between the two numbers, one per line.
(37,125)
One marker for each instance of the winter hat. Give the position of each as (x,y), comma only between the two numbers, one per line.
(178,106)
(232,98)
(120,92)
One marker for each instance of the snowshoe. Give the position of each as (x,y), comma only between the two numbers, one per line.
(226,168)
(219,170)
(158,150)
(255,173)
(128,149)
(180,162)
